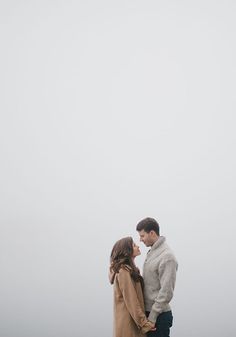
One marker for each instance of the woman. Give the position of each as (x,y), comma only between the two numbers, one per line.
(129,316)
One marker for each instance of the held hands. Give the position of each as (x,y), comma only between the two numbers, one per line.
(149,326)
(153,327)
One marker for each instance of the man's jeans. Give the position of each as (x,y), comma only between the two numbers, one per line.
(163,323)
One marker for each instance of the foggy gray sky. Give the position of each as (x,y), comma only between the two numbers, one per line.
(112,111)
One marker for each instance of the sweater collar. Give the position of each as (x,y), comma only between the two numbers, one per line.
(158,243)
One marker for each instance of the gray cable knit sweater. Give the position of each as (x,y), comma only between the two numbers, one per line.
(159,273)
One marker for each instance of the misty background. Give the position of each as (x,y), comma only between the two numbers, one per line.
(112,111)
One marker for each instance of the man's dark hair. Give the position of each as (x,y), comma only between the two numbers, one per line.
(148,225)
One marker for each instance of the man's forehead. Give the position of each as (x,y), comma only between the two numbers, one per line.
(142,232)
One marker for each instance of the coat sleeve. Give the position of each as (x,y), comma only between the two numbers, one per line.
(167,275)
(131,300)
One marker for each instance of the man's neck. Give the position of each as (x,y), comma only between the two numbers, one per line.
(155,240)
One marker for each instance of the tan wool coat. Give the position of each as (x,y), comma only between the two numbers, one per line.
(129,316)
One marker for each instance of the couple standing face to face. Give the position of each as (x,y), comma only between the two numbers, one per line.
(141,302)
(129,311)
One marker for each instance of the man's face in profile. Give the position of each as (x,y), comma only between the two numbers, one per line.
(146,238)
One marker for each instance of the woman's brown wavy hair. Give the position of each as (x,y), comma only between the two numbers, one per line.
(121,255)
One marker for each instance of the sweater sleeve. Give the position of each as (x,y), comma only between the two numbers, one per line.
(130,298)
(167,275)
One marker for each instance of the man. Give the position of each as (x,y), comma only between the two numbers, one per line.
(159,274)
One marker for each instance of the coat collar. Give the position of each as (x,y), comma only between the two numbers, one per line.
(112,274)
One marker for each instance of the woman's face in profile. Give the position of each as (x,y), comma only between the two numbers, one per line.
(136,250)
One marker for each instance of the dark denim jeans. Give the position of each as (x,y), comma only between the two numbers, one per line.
(163,324)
